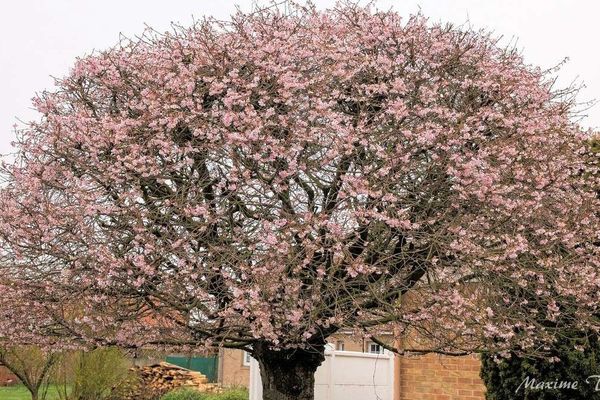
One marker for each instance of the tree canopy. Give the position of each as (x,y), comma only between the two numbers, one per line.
(263,182)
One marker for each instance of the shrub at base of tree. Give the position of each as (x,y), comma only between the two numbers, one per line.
(192,394)
(184,394)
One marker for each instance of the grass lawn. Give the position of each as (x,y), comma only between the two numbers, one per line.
(19,392)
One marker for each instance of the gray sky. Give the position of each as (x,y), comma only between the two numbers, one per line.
(39,38)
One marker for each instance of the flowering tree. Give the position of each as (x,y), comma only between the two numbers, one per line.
(262,183)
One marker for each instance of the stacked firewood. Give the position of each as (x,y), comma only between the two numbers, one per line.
(168,376)
(152,381)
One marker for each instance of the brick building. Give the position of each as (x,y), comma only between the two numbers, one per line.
(6,377)
(234,367)
(436,377)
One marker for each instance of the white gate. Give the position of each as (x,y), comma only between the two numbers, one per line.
(345,375)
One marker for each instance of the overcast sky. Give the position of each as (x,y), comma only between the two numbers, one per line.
(41,38)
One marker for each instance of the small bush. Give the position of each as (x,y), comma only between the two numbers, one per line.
(231,394)
(184,394)
(192,394)
(505,380)
(97,372)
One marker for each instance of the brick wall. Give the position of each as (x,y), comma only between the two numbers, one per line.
(232,371)
(435,377)
(7,377)
(350,343)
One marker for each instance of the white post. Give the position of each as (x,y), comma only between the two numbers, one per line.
(392,375)
(331,383)
(255,387)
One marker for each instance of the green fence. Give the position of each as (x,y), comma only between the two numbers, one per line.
(207,365)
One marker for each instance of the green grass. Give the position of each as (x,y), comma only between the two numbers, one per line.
(19,392)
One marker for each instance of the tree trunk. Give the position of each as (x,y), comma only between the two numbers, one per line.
(34,393)
(288,374)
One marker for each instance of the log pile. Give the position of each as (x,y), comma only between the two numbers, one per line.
(168,376)
(152,381)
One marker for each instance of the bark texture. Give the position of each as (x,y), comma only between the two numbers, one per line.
(288,374)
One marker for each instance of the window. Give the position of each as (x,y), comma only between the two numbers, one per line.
(375,348)
(246,359)
(339,345)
